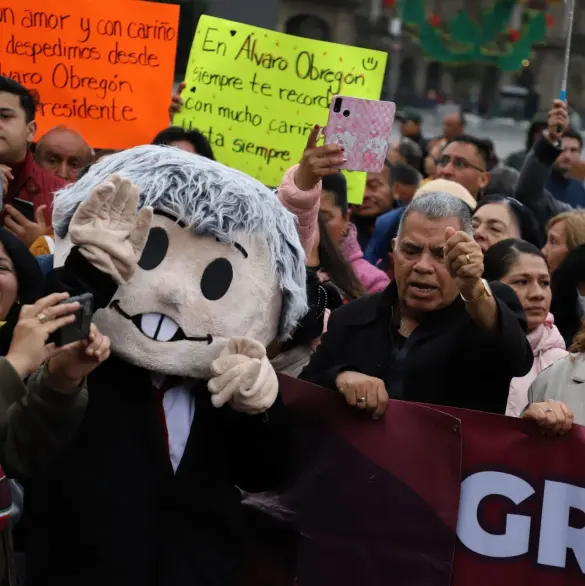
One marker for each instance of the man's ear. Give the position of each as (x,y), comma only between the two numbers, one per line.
(484,180)
(31,131)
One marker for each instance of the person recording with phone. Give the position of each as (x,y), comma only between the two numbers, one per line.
(21,177)
(21,283)
(42,400)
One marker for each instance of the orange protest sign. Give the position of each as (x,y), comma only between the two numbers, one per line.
(103,68)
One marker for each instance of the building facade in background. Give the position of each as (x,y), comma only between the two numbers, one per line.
(366,23)
(350,22)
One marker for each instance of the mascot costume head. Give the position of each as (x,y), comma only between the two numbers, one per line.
(202,255)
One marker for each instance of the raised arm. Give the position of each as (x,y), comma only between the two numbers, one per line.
(107,244)
(300,189)
(530,189)
(496,312)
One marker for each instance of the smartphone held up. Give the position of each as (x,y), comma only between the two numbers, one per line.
(26,208)
(79,329)
(362,127)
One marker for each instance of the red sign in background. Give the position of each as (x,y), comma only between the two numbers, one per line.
(433,496)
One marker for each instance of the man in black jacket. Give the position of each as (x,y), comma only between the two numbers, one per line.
(439,334)
(538,175)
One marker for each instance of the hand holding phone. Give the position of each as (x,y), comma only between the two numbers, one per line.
(80,328)
(26,208)
(362,127)
(317,162)
(24,221)
(30,346)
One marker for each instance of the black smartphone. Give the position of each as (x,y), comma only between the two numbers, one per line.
(26,208)
(79,329)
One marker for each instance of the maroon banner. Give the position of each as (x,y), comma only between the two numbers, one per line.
(433,496)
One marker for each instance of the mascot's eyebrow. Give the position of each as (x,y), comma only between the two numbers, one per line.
(183,225)
(237,247)
(171,217)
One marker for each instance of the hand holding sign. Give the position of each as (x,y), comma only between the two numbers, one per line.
(176,101)
(317,162)
(364,392)
(554,417)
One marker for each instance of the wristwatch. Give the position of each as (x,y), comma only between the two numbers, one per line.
(557,143)
(487,292)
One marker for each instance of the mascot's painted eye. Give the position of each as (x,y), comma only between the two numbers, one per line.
(155,250)
(217,278)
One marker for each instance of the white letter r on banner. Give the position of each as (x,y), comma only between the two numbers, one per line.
(556,536)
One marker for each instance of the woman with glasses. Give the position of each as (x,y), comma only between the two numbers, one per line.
(498,218)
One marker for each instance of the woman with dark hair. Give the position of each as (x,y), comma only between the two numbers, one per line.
(21,283)
(568,288)
(498,218)
(503,181)
(523,267)
(191,141)
(327,261)
(334,210)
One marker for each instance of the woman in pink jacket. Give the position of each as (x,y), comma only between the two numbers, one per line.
(523,267)
(301,192)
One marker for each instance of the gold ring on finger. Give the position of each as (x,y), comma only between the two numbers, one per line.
(43,318)
(549,410)
(362,399)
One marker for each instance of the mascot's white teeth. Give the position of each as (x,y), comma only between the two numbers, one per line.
(158,327)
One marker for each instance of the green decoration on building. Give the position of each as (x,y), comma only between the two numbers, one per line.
(464,40)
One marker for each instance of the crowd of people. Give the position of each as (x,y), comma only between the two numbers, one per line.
(458,281)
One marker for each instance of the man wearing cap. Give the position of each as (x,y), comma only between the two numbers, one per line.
(411,127)
(378,250)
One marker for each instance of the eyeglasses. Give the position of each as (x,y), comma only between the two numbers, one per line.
(459,163)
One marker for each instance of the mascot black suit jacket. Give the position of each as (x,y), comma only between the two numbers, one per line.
(112,508)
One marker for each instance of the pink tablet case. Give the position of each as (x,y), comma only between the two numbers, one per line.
(364,134)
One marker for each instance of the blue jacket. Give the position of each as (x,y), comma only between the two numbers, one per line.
(381,240)
(566,189)
(46,263)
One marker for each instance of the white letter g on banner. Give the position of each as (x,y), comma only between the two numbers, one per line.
(515,540)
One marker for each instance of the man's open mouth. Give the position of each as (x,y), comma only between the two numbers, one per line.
(158,327)
(423,287)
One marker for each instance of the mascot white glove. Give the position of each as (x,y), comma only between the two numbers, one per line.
(109,230)
(243,377)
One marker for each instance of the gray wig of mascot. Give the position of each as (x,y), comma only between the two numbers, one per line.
(208,212)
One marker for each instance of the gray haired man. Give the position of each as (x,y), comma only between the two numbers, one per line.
(438,334)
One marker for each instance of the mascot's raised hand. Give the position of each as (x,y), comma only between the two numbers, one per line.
(243,377)
(109,230)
